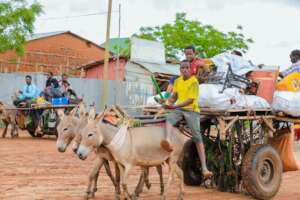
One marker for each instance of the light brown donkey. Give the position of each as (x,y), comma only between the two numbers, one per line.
(8,116)
(134,147)
(69,129)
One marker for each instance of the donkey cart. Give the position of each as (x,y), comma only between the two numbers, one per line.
(40,120)
(238,153)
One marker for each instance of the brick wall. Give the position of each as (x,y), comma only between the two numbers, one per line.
(60,54)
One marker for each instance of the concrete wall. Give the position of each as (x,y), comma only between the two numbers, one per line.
(122,93)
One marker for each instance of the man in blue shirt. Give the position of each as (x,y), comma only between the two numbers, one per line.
(29,92)
(295,59)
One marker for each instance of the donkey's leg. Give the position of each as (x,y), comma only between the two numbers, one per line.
(108,172)
(95,181)
(170,178)
(179,173)
(114,180)
(16,128)
(121,170)
(147,181)
(5,129)
(161,178)
(124,177)
(13,132)
(140,185)
(118,184)
(92,177)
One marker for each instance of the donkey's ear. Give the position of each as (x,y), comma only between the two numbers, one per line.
(73,111)
(100,117)
(60,114)
(81,109)
(92,114)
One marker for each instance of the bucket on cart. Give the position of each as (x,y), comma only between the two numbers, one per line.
(60,101)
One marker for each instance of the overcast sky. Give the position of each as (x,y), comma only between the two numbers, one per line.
(272,24)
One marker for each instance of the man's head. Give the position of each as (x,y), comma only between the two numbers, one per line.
(64,77)
(237,53)
(28,79)
(295,56)
(49,75)
(185,69)
(189,52)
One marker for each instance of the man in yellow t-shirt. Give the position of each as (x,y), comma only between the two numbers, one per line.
(185,94)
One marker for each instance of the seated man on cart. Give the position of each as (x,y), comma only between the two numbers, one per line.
(52,88)
(67,91)
(28,93)
(185,94)
(295,67)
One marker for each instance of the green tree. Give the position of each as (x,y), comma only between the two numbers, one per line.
(16,23)
(207,40)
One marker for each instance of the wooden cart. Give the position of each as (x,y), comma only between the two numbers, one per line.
(40,120)
(238,152)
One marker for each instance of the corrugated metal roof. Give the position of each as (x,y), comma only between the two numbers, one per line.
(160,68)
(43,35)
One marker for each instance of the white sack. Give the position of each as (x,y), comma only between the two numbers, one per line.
(210,96)
(287,102)
(151,102)
(239,65)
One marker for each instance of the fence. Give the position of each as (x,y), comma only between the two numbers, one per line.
(122,93)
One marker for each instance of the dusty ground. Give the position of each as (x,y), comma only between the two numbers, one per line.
(33,169)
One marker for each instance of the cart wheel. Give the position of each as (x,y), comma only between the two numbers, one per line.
(262,171)
(191,170)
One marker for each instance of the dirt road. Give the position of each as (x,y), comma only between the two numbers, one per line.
(33,169)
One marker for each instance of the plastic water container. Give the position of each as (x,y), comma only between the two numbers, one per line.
(266,80)
(60,101)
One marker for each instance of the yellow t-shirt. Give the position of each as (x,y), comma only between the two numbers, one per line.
(187,89)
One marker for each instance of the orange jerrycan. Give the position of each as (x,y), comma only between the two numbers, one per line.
(266,79)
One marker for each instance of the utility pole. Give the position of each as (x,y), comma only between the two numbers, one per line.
(118,61)
(106,57)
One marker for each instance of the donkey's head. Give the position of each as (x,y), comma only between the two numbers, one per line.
(66,129)
(91,137)
(84,119)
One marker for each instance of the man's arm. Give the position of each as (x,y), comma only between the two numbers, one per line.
(181,105)
(292,69)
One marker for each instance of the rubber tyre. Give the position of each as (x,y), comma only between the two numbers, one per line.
(191,170)
(262,172)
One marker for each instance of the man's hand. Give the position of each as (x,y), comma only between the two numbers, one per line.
(159,100)
(170,107)
(200,63)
